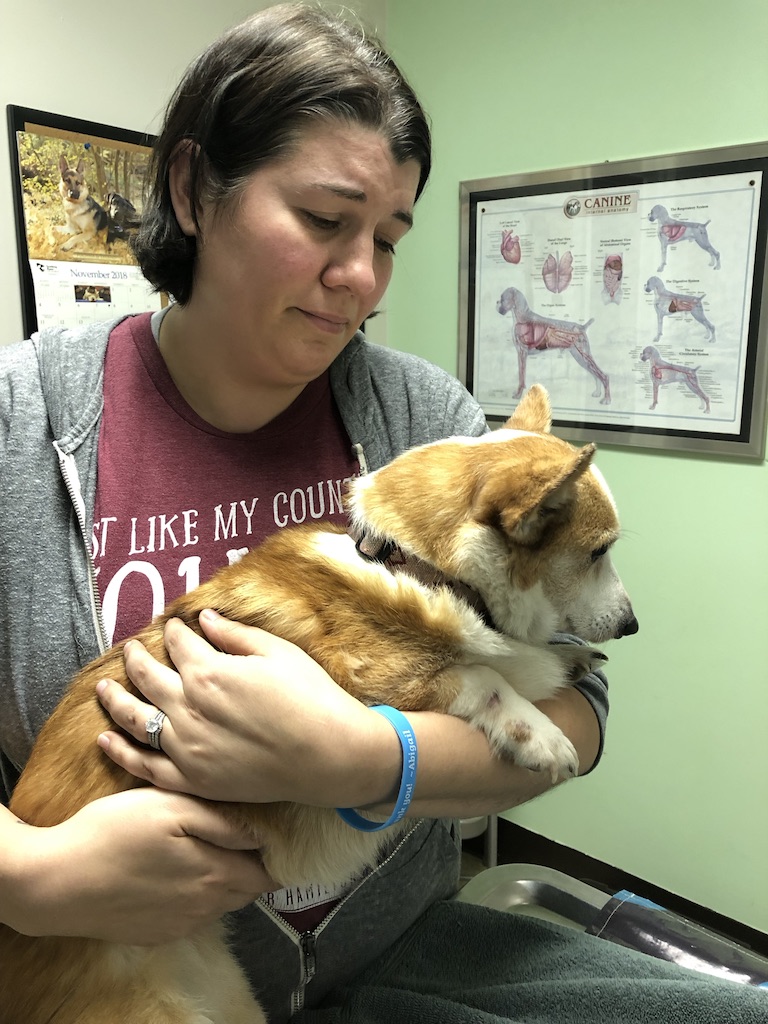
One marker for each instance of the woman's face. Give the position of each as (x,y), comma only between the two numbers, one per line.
(290,270)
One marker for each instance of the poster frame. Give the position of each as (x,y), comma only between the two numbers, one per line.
(590,422)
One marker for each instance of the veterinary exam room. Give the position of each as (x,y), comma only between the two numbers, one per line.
(458,310)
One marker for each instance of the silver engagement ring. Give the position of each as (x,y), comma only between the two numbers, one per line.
(154,727)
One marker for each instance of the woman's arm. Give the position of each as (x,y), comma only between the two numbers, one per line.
(459,776)
(140,867)
(263,722)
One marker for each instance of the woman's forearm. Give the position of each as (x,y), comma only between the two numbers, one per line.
(13,896)
(458,775)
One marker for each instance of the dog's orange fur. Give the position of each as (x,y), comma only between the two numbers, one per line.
(385,639)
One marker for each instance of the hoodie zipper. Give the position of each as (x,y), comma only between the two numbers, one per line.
(307,941)
(71,478)
(359,451)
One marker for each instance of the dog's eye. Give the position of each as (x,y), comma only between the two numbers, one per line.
(599,552)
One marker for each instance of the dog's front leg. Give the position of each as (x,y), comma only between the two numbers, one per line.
(515,728)
(522,356)
(660,324)
(75,240)
(664,243)
(540,672)
(655,382)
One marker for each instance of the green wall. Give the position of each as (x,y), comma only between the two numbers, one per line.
(681,798)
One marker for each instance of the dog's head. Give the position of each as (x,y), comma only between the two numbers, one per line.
(72,184)
(121,210)
(520,515)
(509,302)
(658,213)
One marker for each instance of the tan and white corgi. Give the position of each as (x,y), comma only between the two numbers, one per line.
(519,516)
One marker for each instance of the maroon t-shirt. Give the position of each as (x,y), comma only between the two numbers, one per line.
(176,499)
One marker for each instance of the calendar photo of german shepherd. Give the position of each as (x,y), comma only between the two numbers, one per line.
(80,188)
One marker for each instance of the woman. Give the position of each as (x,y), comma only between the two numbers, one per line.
(155,449)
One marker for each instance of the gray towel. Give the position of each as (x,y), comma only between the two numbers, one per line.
(463,964)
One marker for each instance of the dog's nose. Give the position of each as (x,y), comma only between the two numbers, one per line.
(628,627)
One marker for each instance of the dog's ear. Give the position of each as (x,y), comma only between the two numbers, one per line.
(63,163)
(534,413)
(534,498)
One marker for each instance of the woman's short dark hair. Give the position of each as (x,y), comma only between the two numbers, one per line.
(246,101)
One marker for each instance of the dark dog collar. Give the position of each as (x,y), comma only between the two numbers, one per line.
(388,554)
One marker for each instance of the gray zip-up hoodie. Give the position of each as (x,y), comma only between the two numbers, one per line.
(50,409)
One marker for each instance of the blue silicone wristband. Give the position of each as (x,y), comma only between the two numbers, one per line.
(404,731)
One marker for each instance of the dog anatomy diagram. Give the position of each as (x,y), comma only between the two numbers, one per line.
(536,333)
(631,305)
(671,230)
(668,303)
(663,373)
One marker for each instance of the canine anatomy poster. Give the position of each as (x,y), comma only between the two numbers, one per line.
(631,291)
(78,201)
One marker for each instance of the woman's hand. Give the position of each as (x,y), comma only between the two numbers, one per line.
(140,867)
(256,720)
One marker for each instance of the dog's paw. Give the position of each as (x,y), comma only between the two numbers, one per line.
(516,729)
(541,747)
(578,661)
